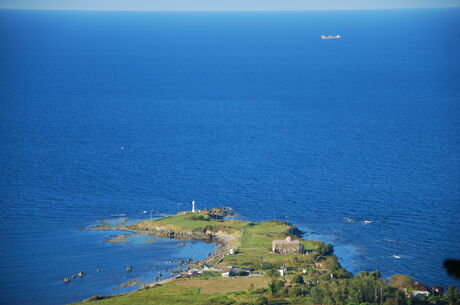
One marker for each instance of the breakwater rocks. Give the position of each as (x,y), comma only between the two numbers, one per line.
(146,227)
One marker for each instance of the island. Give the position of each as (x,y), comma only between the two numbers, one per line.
(263,263)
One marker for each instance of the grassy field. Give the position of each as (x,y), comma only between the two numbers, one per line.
(197,222)
(256,243)
(190,292)
(169,294)
(224,285)
(253,241)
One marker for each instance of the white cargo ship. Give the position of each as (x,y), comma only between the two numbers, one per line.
(331,37)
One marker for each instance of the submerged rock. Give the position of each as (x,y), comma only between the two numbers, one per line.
(80,274)
(66,280)
(127,284)
(119,238)
(129,268)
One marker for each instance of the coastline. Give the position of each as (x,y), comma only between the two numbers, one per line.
(223,243)
(256,254)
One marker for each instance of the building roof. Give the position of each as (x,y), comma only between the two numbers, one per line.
(421,287)
(227,270)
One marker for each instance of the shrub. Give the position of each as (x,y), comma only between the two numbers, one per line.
(197,217)
(298,279)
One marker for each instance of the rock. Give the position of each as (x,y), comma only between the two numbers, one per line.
(129,268)
(66,280)
(99,270)
(74,276)
(97,298)
(80,274)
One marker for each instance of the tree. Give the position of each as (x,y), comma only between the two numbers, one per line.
(401,281)
(298,279)
(275,287)
(376,274)
(272,273)
(325,249)
(452,297)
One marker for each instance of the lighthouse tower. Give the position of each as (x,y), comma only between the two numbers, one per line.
(193,206)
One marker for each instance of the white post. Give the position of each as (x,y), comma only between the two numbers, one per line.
(193,206)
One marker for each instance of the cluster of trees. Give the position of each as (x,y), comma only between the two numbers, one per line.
(366,288)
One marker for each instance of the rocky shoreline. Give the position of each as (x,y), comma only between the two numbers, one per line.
(221,239)
(217,236)
(167,232)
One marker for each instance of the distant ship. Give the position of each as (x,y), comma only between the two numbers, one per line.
(331,37)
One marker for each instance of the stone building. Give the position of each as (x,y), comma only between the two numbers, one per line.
(287,246)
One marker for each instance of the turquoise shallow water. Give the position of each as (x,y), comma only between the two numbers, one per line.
(356,141)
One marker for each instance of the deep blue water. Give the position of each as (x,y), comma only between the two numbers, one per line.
(249,110)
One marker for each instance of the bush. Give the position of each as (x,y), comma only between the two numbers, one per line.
(296,292)
(266,266)
(197,217)
(298,279)
(275,287)
(242,273)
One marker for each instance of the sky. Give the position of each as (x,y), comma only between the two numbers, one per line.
(223,5)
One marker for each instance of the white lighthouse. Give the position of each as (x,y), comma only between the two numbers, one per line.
(193,206)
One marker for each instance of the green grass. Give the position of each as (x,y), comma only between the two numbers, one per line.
(169,294)
(256,244)
(255,239)
(196,222)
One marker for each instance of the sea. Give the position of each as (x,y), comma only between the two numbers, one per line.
(105,115)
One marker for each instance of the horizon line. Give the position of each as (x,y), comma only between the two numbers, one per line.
(225,10)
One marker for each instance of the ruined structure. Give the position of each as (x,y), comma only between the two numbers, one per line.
(287,246)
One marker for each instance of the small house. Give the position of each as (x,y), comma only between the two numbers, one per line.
(282,270)
(421,290)
(192,272)
(227,272)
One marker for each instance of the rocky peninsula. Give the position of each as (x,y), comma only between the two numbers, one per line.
(258,263)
